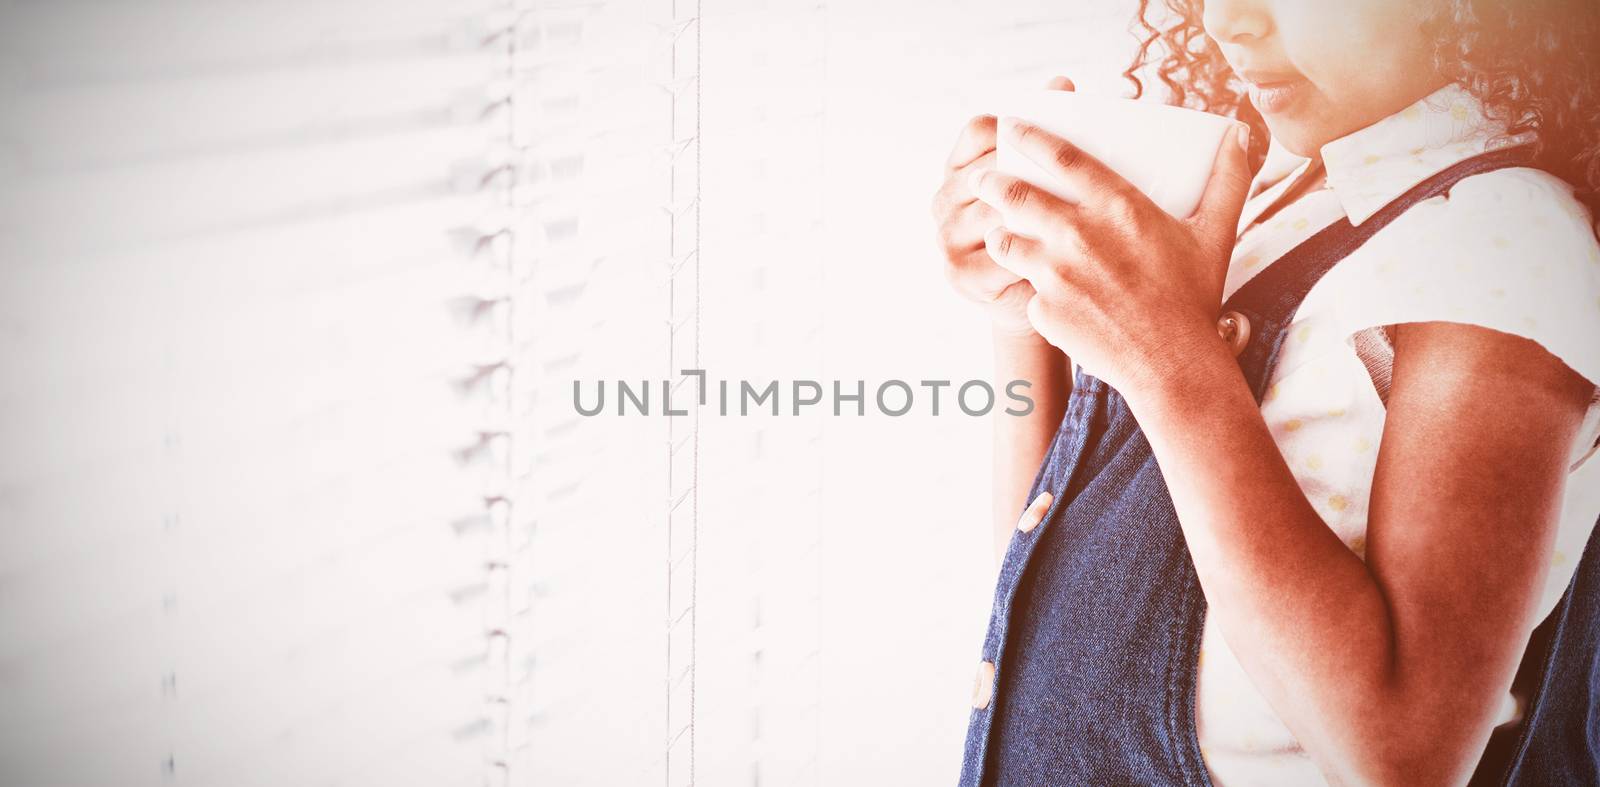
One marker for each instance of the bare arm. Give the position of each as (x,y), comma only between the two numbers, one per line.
(1020,354)
(962,222)
(1020,442)
(1389,671)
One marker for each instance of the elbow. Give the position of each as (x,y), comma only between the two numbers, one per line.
(1410,772)
(1419,757)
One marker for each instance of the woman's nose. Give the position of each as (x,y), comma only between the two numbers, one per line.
(1237,21)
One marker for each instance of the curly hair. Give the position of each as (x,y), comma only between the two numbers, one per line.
(1534,64)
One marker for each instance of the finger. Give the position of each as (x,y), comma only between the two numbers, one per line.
(977,272)
(985,160)
(1023,207)
(1082,173)
(1019,254)
(954,193)
(1225,192)
(1060,83)
(977,138)
(964,231)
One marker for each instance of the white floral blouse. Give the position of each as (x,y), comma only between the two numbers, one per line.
(1510,250)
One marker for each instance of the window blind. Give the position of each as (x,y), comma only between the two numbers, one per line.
(293,297)
(251,446)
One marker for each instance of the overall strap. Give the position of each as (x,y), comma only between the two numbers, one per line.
(1270,299)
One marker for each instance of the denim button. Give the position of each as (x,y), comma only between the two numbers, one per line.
(1035,512)
(983,685)
(1234,328)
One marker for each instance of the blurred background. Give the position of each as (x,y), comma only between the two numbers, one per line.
(292,299)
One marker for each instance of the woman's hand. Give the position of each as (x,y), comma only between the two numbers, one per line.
(963,222)
(1121,287)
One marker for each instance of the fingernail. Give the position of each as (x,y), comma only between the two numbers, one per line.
(1242,134)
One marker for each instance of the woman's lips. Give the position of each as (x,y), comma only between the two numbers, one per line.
(1276,95)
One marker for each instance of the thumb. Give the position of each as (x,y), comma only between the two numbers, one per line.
(1225,192)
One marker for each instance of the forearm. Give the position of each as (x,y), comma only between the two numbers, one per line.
(1304,615)
(1020,442)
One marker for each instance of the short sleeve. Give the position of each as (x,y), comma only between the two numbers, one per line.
(1511,250)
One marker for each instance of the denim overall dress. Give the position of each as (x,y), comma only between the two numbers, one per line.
(1090,660)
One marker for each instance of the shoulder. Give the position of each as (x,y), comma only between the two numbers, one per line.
(1510,250)
(1517,213)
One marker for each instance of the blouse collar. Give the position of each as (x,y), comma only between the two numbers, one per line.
(1368,168)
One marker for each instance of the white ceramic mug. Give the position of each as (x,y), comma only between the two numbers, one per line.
(1165,151)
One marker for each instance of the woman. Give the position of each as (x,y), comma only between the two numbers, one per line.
(1311,540)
